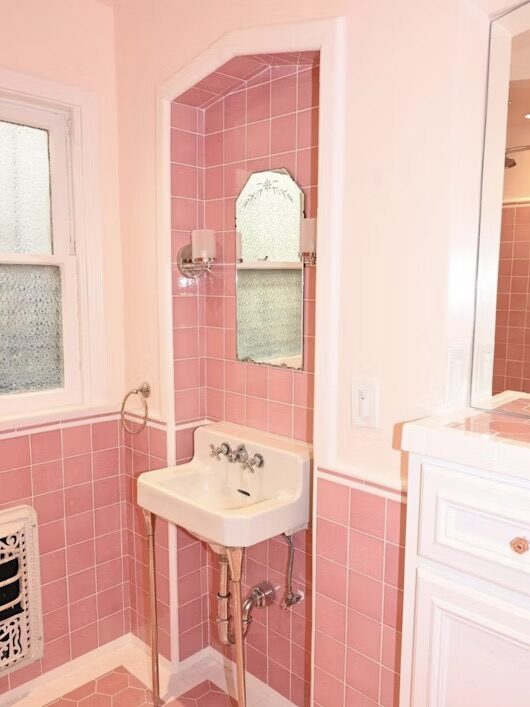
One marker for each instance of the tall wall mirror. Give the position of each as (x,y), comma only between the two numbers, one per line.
(270,274)
(501,359)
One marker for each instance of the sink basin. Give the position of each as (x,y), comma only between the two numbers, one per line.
(225,503)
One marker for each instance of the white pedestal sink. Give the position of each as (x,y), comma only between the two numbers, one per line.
(225,502)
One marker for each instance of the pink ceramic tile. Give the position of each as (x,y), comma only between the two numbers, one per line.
(258,103)
(257,413)
(333,501)
(364,635)
(332,541)
(76,440)
(259,139)
(184,117)
(241,67)
(365,595)
(235,408)
(183,213)
(105,435)
(283,95)
(77,470)
(16,485)
(366,554)
(187,373)
(394,565)
(234,144)
(389,688)
(105,463)
(45,446)
(329,655)
(78,499)
(280,419)
(329,692)
(80,556)
(363,674)
(367,513)
(395,522)
(393,607)
(83,612)
(46,477)
(257,381)
(184,147)
(283,133)
(331,580)
(55,624)
(391,654)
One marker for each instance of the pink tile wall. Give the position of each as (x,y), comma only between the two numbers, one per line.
(360,540)
(511,367)
(187,213)
(278,643)
(270,122)
(71,476)
(143,452)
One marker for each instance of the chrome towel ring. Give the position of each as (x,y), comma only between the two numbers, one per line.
(143,391)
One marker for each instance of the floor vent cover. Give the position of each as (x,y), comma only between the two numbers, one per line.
(20,606)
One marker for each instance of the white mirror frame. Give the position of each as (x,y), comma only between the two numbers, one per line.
(503,29)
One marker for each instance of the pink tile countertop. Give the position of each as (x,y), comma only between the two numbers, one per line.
(496,440)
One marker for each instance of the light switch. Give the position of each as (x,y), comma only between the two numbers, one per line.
(364,403)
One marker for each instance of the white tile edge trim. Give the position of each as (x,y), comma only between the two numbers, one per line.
(367,488)
(133,654)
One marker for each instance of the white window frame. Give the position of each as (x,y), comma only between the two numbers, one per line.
(70,117)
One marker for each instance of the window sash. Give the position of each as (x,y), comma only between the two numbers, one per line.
(57,125)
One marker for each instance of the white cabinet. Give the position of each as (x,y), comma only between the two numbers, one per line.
(466,627)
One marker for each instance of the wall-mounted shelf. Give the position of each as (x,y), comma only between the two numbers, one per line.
(270,265)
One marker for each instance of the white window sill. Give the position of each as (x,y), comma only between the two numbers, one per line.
(12,423)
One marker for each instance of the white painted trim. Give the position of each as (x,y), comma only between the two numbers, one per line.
(329,37)
(58,420)
(367,488)
(133,654)
(81,113)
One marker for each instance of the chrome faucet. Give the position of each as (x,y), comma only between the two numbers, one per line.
(239,454)
(223,450)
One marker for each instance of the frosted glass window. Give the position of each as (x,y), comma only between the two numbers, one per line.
(270,316)
(25,209)
(31,342)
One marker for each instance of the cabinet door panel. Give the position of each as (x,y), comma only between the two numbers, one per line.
(468,523)
(470,649)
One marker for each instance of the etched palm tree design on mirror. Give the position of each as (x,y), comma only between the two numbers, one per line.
(270,276)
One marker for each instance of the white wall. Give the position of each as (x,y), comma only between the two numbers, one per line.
(72,42)
(416,89)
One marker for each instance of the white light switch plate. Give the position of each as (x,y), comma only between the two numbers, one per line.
(364,402)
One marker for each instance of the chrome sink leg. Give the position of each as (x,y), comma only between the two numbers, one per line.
(155,678)
(235,561)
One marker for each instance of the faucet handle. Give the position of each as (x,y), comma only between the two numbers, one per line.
(216,452)
(257,461)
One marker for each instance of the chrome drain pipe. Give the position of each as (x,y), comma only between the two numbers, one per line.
(223,598)
(260,596)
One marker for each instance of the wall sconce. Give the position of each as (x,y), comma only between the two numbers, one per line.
(195,259)
(308,241)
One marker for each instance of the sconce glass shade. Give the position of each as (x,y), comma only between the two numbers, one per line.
(308,241)
(203,245)
(308,235)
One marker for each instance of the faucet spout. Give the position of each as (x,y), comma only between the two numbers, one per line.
(239,454)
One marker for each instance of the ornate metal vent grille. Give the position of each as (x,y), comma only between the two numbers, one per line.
(20,606)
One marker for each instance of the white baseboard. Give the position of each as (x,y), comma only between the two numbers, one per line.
(133,654)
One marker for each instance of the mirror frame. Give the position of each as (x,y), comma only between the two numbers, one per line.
(502,30)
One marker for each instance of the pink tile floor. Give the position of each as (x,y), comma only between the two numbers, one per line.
(119,688)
